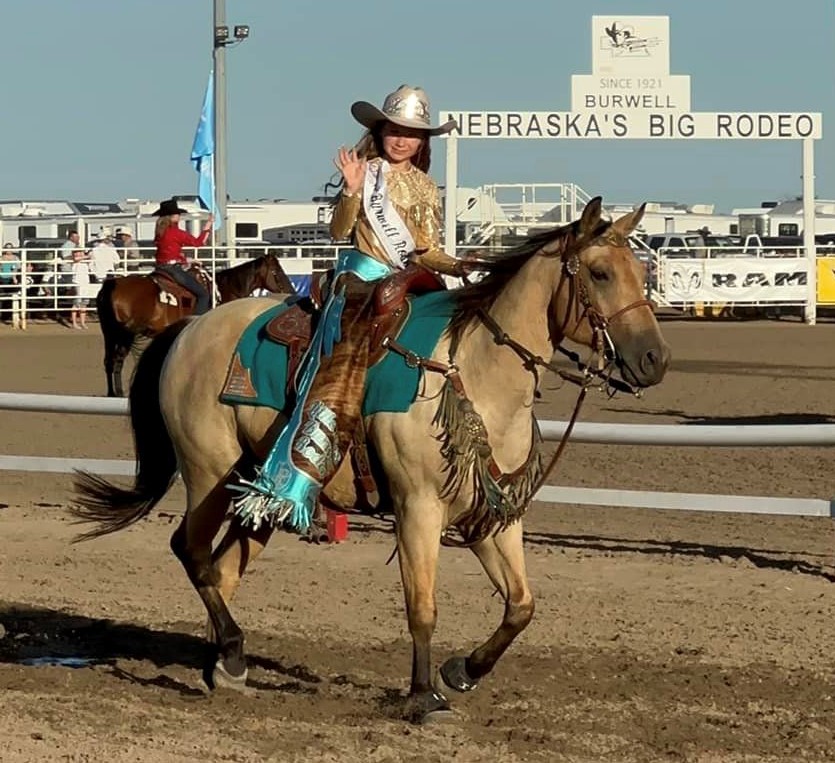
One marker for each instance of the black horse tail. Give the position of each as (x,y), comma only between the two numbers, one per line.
(113,507)
(112,330)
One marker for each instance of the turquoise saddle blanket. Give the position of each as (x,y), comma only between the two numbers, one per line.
(391,385)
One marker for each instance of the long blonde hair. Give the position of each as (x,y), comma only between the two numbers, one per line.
(162,225)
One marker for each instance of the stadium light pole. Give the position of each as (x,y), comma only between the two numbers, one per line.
(222,39)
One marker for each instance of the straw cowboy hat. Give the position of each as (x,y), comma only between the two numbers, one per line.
(169,207)
(407,106)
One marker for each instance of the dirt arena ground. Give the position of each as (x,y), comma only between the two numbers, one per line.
(659,636)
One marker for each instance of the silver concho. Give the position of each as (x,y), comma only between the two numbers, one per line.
(572,265)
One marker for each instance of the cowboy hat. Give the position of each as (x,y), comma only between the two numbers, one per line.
(407,106)
(169,207)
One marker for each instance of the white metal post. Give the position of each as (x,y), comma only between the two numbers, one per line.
(809,230)
(450,213)
(23,274)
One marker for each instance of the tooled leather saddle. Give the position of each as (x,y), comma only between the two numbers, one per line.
(294,327)
(176,295)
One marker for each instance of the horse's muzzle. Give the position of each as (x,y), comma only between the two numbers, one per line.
(647,368)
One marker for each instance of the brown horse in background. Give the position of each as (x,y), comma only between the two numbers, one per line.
(136,305)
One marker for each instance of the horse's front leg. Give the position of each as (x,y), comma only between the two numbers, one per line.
(419,527)
(503,559)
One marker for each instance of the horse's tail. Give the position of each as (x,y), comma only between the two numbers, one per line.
(110,326)
(110,506)
(104,305)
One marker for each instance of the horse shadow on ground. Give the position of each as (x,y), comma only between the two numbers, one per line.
(763,558)
(36,636)
(746,368)
(690,419)
(767,559)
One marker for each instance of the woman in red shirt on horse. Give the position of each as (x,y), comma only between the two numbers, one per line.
(170,240)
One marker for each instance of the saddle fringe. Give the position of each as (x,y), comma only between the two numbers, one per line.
(498,499)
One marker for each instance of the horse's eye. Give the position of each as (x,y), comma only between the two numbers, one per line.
(599,275)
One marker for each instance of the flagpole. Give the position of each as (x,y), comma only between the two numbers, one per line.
(214,233)
(219,159)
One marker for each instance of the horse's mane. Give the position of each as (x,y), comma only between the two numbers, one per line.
(498,270)
(239,279)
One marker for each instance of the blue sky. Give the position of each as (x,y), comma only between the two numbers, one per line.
(101,97)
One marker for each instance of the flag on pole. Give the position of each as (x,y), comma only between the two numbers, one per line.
(203,152)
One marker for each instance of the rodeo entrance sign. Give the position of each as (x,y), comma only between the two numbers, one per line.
(632,95)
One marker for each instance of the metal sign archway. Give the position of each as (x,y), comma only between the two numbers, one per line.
(632,96)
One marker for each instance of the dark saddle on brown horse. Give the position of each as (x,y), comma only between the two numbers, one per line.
(175,294)
(294,327)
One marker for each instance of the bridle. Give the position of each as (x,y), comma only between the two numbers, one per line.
(587,376)
(602,345)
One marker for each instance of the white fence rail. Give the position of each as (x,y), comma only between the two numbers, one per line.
(697,435)
(39,282)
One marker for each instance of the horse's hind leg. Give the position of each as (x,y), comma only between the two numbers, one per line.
(240,546)
(208,501)
(503,559)
(109,355)
(120,352)
(117,345)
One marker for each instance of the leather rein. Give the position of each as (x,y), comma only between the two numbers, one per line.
(602,345)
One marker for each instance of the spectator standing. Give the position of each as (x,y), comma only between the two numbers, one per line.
(129,248)
(104,259)
(9,269)
(65,254)
(80,281)
(61,278)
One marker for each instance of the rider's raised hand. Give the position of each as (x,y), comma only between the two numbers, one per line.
(352,167)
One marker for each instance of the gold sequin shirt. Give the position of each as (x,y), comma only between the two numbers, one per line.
(415,197)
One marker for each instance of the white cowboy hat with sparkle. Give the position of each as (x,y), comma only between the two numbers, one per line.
(407,106)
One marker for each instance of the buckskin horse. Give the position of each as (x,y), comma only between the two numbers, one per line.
(581,281)
(136,305)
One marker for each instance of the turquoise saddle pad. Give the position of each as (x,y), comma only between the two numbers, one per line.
(391,385)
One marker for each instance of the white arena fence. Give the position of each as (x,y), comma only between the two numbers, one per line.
(39,284)
(758,436)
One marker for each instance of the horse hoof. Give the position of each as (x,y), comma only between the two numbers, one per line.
(429,708)
(221,678)
(438,717)
(454,675)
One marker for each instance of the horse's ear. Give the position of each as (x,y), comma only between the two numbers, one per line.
(590,218)
(626,224)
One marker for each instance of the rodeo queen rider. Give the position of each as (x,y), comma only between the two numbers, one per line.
(390,209)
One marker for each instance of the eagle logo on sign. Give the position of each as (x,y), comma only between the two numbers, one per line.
(625,41)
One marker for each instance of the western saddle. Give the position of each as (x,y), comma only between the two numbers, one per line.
(174,294)
(294,327)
